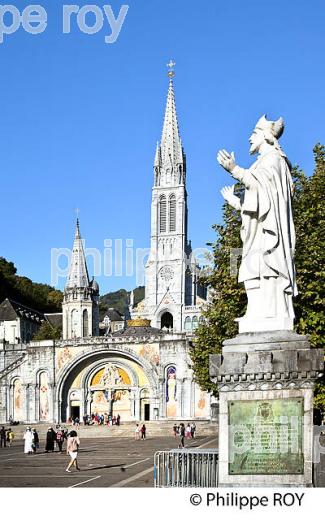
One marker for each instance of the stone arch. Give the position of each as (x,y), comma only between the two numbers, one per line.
(77,364)
(167,320)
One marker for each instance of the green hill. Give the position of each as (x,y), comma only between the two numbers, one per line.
(119,300)
(38,296)
(44,298)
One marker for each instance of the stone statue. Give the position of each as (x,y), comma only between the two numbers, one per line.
(267,267)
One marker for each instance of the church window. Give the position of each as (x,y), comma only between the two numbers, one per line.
(74,323)
(85,323)
(162,214)
(172,213)
(188,323)
(194,323)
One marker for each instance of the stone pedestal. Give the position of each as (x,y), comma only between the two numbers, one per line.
(265,382)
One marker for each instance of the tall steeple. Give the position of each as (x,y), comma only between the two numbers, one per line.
(80,298)
(170,140)
(78,272)
(170,158)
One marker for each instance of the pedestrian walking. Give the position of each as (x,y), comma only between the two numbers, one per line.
(28,438)
(118,420)
(181,435)
(143,432)
(175,430)
(10,437)
(188,431)
(35,440)
(73,444)
(3,437)
(193,430)
(137,432)
(50,438)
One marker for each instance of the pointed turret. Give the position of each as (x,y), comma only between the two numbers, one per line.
(78,272)
(80,297)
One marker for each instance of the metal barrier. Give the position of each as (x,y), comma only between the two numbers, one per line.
(186,468)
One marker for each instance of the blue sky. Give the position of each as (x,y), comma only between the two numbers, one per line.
(79,118)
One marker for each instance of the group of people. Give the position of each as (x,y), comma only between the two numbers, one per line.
(102,419)
(183,432)
(53,437)
(140,432)
(6,437)
(31,444)
(98,419)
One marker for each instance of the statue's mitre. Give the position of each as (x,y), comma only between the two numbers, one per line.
(274,127)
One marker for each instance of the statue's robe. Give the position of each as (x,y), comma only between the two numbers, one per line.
(267,231)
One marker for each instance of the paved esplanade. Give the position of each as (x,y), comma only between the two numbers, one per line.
(114,462)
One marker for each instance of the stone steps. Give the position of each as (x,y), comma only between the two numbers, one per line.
(154,429)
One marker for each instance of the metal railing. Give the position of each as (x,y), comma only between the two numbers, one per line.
(186,468)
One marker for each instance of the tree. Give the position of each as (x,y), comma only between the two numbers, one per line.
(46,331)
(38,296)
(228,296)
(309,213)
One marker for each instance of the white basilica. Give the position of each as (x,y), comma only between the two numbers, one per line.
(142,372)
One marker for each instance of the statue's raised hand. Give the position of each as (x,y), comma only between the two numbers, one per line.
(228,192)
(226,160)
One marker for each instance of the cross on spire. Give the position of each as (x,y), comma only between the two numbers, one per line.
(171,71)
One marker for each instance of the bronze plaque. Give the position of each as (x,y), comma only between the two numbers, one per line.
(266,437)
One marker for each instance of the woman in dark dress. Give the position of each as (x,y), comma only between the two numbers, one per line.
(50,438)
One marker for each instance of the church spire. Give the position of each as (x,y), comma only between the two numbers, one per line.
(78,273)
(169,162)
(171,146)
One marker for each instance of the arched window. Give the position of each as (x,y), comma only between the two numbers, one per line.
(85,323)
(162,214)
(195,322)
(18,400)
(167,320)
(188,323)
(172,213)
(74,323)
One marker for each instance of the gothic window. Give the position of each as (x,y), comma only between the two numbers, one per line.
(162,214)
(194,322)
(188,323)
(85,323)
(74,323)
(172,213)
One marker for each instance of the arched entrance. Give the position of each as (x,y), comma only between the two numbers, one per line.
(109,392)
(167,320)
(106,383)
